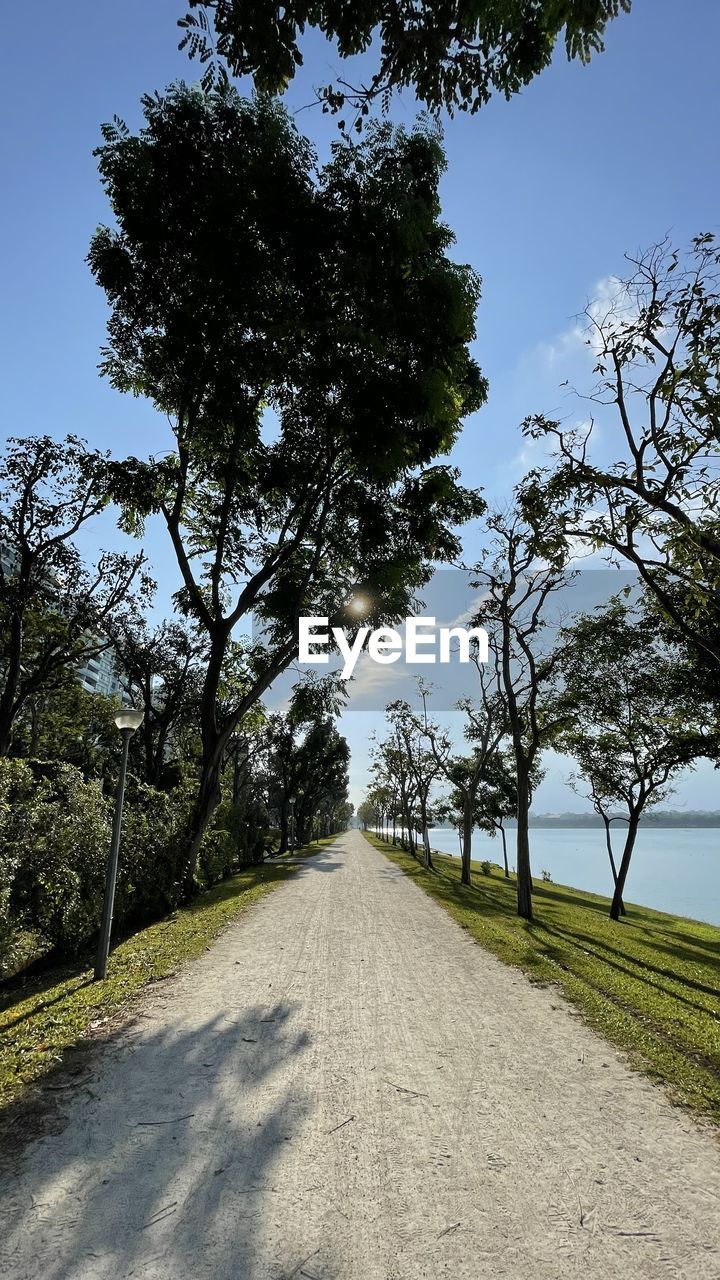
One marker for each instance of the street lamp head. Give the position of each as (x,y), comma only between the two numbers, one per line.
(129,720)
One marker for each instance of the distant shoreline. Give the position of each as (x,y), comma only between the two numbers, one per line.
(584,821)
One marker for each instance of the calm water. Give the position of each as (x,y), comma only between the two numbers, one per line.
(672,869)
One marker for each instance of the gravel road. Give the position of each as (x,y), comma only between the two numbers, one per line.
(346,1087)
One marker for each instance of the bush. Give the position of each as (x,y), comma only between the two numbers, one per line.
(149,869)
(55,830)
(16,784)
(246,826)
(546,876)
(56,827)
(486,867)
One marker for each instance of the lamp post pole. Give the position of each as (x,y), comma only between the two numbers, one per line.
(127,723)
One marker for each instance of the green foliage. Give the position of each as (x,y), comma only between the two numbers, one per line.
(241,278)
(149,870)
(486,867)
(15,788)
(70,724)
(306,762)
(56,828)
(630,712)
(453,55)
(657,347)
(54,837)
(54,611)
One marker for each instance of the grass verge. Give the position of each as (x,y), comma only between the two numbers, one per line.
(649,984)
(42,1017)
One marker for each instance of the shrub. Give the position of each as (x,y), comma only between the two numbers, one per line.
(486,867)
(546,876)
(149,868)
(16,785)
(55,830)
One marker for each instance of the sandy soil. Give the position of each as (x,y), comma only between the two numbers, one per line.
(345,1087)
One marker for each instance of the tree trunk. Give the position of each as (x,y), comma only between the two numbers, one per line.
(613,868)
(214,742)
(8,699)
(427,856)
(617,901)
(524,878)
(505,857)
(468,807)
(206,803)
(34,729)
(284,833)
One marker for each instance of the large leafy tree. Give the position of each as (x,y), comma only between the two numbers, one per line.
(454,55)
(424,762)
(306,764)
(486,725)
(241,278)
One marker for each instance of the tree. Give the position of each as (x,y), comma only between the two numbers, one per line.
(241,279)
(497,798)
(322,792)
(453,55)
(632,718)
(486,726)
(307,765)
(68,723)
(523,568)
(657,343)
(162,669)
(55,614)
(380,804)
(422,765)
(367,812)
(393,776)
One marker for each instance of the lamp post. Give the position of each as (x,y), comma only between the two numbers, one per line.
(127,722)
(292,824)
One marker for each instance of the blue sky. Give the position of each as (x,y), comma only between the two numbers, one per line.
(545,194)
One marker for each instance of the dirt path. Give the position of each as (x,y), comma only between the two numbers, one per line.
(345,1087)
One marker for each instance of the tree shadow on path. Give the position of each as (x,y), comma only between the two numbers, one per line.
(165,1165)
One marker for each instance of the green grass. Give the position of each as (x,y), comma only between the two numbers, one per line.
(41,1017)
(650,984)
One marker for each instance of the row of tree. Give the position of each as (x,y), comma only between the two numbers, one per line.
(631,690)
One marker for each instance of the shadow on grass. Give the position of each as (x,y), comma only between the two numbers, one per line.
(52,981)
(606,954)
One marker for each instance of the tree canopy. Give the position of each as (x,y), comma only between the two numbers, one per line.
(243,279)
(454,55)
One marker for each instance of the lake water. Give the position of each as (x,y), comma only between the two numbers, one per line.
(673,869)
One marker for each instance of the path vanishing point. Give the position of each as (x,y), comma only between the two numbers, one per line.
(346,1087)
